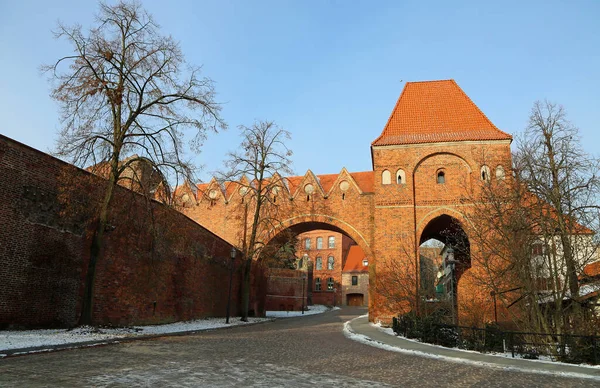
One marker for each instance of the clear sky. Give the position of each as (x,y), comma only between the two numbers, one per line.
(330,71)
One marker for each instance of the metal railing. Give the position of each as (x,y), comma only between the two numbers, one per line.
(559,347)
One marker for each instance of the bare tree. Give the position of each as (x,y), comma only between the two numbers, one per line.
(256,166)
(127,90)
(535,230)
(554,167)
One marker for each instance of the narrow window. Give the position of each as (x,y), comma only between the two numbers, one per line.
(318,284)
(331,242)
(386,177)
(330,262)
(319,242)
(319,264)
(400,177)
(355,280)
(485,173)
(306,243)
(330,284)
(300,263)
(441,177)
(499,173)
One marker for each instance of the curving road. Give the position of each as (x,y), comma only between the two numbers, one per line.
(294,352)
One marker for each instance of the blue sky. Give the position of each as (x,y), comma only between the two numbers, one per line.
(330,72)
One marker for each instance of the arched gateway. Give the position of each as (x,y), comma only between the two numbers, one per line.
(436,149)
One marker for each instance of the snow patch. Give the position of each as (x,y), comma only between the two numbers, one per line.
(23,339)
(349,333)
(315,309)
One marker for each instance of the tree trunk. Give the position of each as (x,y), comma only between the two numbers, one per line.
(246,289)
(95,251)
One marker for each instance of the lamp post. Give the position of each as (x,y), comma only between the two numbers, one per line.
(451,262)
(233,253)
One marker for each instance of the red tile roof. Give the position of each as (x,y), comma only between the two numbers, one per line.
(365,180)
(436,111)
(592,269)
(354,260)
(327,181)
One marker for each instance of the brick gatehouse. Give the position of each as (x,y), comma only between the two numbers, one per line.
(436,149)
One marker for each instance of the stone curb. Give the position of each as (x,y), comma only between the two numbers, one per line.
(18,352)
(484,360)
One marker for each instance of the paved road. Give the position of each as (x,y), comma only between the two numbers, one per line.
(295,352)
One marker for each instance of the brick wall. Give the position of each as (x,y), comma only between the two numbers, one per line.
(285,292)
(157,265)
(361,288)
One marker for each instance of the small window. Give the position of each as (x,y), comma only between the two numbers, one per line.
(318,284)
(300,263)
(441,177)
(537,249)
(319,242)
(485,173)
(330,262)
(365,262)
(319,264)
(331,242)
(386,177)
(400,177)
(306,243)
(355,280)
(330,284)
(499,173)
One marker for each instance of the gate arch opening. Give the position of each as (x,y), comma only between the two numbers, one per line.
(330,265)
(444,256)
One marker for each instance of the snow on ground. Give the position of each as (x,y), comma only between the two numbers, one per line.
(19,339)
(315,309)
(507,354)
(368,341)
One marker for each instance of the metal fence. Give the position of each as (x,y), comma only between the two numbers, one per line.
(560,347)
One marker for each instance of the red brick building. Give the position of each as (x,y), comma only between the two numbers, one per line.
(355,278)
(322,254)
(436,149)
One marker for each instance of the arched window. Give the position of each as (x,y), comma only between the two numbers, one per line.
(386,177)
(400,177)
(319,242)
(499,173)
(330,262)
(318,284)
(441,177)
(485,173)
(319,263)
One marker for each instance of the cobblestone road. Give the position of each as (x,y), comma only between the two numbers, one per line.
(295,352)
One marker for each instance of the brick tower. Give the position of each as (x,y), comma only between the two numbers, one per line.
(436,149)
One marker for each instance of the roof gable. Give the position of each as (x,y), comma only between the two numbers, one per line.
(436,111)
(354,260)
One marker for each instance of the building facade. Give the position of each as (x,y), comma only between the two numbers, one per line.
(436,150)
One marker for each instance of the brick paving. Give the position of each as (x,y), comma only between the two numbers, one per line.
(294,352)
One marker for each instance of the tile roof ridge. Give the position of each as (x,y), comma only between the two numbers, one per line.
(480,111)
(387,123)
